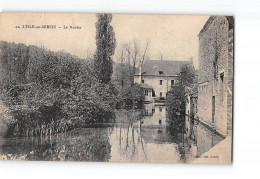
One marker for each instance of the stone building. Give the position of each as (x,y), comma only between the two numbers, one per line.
(215,80)
(191,108)
(159,75)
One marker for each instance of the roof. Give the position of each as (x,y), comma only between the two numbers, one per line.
(162,67)
(230,21)
(207,24)
(143,85)
(211,19)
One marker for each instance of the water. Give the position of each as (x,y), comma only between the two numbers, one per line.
(136,136)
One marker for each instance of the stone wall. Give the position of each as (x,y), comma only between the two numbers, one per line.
(215,74)
(230,81)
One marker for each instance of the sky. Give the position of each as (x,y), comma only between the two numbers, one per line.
(175,37)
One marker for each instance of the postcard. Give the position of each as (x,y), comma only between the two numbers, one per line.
(132,88)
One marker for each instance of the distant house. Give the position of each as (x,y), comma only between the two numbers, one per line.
(158,77)
(215,74)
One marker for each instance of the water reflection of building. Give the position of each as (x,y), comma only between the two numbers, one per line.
(197,139)
(142,144)
(154,115)
(146,140)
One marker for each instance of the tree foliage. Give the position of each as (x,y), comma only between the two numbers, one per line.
(186,76)
(106,44)
(128,93)
(133,96)
(176,99)
(175,102)
(35,81)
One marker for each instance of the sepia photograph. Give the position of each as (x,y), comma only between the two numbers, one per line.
(123,88)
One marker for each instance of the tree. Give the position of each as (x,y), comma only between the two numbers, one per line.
(187,75)
(175,102)
(176,99)
(106,44)
(161,55)
(135,56)
(145,52)
(127,56)
(144,55)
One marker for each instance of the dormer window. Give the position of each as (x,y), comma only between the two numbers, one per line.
(160,72)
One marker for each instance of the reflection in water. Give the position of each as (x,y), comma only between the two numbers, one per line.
(137,136)
(90,144)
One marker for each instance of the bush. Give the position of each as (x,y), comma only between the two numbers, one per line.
(87,104)
(132,96)
(56,91)
(175,102)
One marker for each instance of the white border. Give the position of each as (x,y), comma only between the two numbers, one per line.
(247,87)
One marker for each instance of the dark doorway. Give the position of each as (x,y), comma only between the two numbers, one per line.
(153,93)
(213,109)
(172,83)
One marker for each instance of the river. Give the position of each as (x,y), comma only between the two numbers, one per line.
(136,136)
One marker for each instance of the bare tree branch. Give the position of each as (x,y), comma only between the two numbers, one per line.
(145,51)
(135,55)
(161,55)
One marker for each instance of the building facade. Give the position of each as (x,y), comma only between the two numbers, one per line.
(215,74)
(159,75)
(191,106)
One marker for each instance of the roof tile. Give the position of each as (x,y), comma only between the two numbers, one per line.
(169,68)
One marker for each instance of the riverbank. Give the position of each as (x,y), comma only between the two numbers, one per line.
(219,154)
(5,118)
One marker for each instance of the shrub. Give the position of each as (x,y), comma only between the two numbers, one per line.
(175,102)
(132,96)
(56,91)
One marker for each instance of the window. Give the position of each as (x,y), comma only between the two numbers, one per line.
(142,81)
(160,72)
(221,90)
(160,94)
(146,92)
(172,82)
(160,109)
(215,65)
(160,82)
(153,93)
